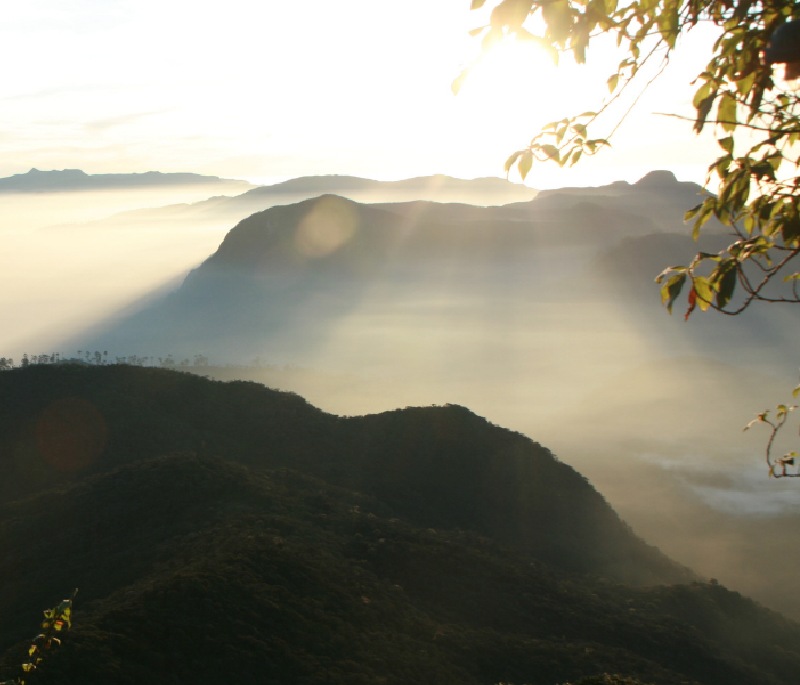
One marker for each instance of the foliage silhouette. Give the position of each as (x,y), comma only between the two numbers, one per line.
(736,92)
(57,621)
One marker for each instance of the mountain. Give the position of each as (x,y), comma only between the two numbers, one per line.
(437,188)
(436,466)
(75,179)
(658,194)
(497,189)
(284,278)
(226,531)
(313,260)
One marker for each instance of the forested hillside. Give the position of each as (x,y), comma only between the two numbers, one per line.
(224,531)
(435,466)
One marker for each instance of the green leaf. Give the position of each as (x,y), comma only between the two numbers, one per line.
(671,289)
(612,82)
(702,94)
(726,111)
(558,17)
(510,161)
(691,213)
(745,84)
(476,4)
(593,145)
(511,13)
(669,271)
(551,151)
(726,284)
(525,163)
(702,256)
(455,86)
(703,109)
(763,170)
(703,215)
(705,294)
(790,230)
(580,41)
(667,22)
(726,144)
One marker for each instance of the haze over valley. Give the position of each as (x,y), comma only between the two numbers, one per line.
(537,311)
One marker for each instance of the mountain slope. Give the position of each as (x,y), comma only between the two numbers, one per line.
(438,466)
(287,280)
(201,568)
(282,277)
(657,195)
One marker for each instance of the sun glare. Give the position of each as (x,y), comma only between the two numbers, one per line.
(512,77)
(508,66)
(515,87)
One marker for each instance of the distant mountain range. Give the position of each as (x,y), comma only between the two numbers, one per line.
(282,275)
(230,532)
(437,188)
(75,179)
(420,186)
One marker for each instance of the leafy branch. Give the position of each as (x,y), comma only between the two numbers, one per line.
(787,465)
(57,621)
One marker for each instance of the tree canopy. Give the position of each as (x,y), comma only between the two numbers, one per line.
(746,94)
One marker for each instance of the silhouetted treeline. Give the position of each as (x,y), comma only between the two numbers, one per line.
(98,358)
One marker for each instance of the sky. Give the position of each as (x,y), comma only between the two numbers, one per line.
(267,91)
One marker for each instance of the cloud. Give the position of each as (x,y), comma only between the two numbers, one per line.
(100,125)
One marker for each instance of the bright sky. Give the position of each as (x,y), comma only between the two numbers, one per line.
(271,90)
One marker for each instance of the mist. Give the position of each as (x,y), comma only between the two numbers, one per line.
(70,258)
(648,407)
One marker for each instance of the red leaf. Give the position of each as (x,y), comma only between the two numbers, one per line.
(692,303)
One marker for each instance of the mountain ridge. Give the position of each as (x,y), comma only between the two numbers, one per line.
(36,180)
(102,416)
(330,184)
(201,558)
(283,277)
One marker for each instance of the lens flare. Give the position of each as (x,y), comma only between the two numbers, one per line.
(70,434)
(330,225)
